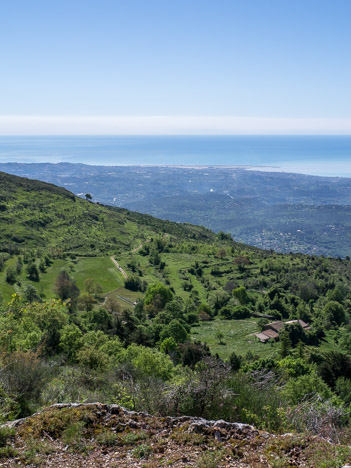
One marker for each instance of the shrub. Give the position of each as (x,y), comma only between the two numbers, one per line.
(147,361)
(32,272)
(6,434)
(11,274)
(320,417)
(241,295)
(134,283)
(23,376)
(343,389)
(305,386)
(174,330)
(334,313)
(142,451)
(241,312)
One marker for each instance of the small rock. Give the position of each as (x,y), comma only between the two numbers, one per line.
(218,436)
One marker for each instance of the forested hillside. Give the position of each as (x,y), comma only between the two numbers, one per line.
(103,304)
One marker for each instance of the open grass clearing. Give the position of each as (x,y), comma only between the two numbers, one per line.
(237,337)
(99,269)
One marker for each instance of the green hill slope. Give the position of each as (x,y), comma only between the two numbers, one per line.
(162,317)
(35,214)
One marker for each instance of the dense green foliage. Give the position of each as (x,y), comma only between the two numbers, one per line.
(178,338)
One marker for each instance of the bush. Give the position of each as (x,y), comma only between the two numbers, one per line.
(175,330)
(22,377)
(11,274)
(148,362)
(241,295)
(235,362)
(305,386)
(294,367)
(32,272)
(241,312)
(334,313)
(343,389)
(93,358)
(134,283)
(6,434)
(320,417)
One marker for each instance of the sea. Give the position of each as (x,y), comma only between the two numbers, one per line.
(316,155)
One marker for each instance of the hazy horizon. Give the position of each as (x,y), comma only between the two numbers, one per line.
(315,155)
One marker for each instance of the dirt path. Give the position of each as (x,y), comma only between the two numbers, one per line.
(119,267)
(145,242)
(140,246)
(115,293)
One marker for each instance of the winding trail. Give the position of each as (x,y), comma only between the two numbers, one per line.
(119,267)
(124,274)
(140,246)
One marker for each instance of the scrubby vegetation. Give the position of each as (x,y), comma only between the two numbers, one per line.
(176,337)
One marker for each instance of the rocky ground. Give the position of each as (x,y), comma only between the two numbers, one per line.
(98,435)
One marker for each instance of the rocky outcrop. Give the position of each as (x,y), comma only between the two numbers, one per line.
(95,434)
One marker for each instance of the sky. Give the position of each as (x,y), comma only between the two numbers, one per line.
(175,66)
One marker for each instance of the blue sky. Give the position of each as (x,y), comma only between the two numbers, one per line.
(270,59)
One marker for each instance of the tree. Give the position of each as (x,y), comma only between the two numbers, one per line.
(112,305)
(30,294)
(66,288)
(99,319)
(148,362)
(23,376)
(11,274)
(221,253)
(190,353)
(235,362)
(241,295)
(42,266)
(86,301)
(133,283)
(71,341)
(240,312)
(305,385)
(168,345)
(334,313)
(158,293)
(19,266)
(32,271)
(241,261)
(220,336)
(88,197)
(176,331)
(338,294)
(285,344)
(333,366)
(92,287)
(218,299)
(226,312)
(205,313)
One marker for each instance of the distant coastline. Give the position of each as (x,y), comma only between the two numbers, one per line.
(328,156)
